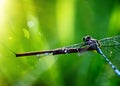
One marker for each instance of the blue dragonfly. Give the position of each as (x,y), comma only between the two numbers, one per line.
(106,47)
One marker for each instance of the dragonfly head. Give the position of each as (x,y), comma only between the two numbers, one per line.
(91,42)
(87,38)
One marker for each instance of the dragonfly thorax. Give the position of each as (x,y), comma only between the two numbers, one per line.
(93,43)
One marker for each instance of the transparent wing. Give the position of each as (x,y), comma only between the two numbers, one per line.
(79,45)
(111,48)
(111,41)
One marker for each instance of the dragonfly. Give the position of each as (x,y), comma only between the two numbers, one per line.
(88,44)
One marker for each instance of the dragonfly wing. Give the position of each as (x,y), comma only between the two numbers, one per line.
(79,45)
(111,48)
(111,41)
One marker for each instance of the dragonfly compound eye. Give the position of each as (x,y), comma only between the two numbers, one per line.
(88,38)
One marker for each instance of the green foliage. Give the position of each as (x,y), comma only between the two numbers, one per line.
(33,25)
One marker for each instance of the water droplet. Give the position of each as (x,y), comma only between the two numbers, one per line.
(65,50)
(38,55)
(46,54)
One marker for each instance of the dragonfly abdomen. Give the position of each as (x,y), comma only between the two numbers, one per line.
(69,50)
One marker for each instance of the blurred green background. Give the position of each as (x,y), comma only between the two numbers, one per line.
(34,25)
